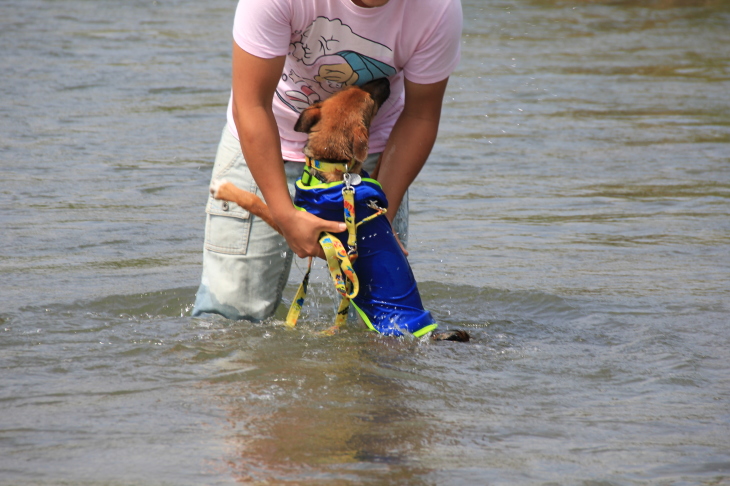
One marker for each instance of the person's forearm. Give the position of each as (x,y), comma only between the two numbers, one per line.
(408,148)
(254,81)
(261,148)
(411,140)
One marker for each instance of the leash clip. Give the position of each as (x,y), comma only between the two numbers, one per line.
(350,180)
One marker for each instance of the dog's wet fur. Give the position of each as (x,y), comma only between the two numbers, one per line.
(338,131)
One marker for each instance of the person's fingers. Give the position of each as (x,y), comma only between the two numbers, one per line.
(333,226)
(329,227)
(321,254)
(304,240)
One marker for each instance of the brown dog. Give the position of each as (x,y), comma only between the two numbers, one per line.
(338,130)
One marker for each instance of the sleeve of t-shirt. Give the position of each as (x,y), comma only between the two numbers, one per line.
(262,27)
(439,52)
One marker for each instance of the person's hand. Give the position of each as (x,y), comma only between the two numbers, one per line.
(302,231)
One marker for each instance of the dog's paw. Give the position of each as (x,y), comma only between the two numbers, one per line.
(215,187)
(451,335)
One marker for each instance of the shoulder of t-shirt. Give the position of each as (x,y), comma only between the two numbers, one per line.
(263,30)
(438,8)
(444,16)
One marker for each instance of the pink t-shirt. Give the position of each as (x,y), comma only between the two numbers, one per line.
(330,44)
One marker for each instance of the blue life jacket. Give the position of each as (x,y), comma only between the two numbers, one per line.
(388,300)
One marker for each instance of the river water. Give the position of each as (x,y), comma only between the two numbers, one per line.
(573,217)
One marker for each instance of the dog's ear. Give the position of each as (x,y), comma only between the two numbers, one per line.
(308,118)
(360,138)
(378,89)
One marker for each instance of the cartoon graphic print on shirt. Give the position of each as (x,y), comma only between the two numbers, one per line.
(328,57)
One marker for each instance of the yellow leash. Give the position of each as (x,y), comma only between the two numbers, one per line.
(339,261)
(347,286)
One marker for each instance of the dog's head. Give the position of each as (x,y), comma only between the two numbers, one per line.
(339,127)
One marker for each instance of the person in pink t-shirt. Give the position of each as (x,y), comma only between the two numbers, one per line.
(288,54)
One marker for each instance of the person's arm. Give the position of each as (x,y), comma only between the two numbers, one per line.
(411,140)
(254,82)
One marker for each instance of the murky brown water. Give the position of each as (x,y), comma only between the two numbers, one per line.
(574,217)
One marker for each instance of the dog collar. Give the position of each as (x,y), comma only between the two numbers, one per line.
(328,166)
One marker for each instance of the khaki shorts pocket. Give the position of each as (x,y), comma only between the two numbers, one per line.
(228,225)
(227,231)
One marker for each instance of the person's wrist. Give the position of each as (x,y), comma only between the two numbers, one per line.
(283,214)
